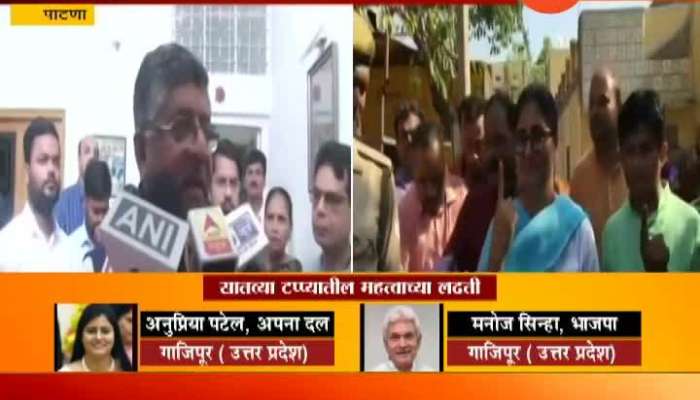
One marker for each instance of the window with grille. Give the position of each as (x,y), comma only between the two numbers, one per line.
(228,39)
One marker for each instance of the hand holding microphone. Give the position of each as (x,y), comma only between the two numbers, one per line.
(655,254)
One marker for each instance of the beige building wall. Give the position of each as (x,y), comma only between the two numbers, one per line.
(684,118)
(556,67)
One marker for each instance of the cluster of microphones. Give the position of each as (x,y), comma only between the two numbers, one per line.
(140,236)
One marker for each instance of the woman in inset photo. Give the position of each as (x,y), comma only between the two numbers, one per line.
(98,343)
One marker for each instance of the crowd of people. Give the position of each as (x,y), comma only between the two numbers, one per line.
(177,151)
(503,207)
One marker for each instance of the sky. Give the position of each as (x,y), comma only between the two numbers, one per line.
(560,27)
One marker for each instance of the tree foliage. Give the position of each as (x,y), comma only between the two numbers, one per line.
(540,70)
(435,31)
(498,25)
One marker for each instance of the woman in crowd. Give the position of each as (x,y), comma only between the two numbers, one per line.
(278,229)
(538,230)
(98,343)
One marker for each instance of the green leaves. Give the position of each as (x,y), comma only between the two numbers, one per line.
(435,29)
(498,24)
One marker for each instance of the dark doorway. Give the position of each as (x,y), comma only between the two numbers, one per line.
(7,176)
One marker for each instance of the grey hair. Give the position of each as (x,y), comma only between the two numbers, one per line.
(400,313)
(163,69)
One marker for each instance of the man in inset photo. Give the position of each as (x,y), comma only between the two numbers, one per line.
(402,336)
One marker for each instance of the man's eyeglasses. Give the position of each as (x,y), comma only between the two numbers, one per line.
(537,138)
(187,126)
(332,200)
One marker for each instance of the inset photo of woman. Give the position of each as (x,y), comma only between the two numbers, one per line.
(95,338)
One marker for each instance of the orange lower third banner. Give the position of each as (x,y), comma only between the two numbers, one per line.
(461,323)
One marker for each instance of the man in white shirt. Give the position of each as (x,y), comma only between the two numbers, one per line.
(31,241)
(402,339)
(254,181)
(82,248)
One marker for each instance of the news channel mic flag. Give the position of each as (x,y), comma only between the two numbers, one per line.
(139,236)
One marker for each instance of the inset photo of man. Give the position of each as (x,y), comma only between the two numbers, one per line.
(401,338)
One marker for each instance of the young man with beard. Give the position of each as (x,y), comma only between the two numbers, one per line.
(428,211)
(32,241)
(598,184)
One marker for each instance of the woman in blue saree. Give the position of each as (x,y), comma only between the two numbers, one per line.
(538,230)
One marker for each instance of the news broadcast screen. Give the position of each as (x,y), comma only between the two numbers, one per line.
(497,199)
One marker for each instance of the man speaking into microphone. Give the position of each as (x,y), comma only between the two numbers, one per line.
(173,142)
(173,138)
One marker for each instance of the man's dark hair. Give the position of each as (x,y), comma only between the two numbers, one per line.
(642,109)
(470,109)
(225,148)
(337,156)
(539,95)
(162,70)
(256,156)
(406,109)
(502,99)
(98,181)
(426,135)
(37,127)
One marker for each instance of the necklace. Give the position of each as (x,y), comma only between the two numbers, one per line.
(85,367)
